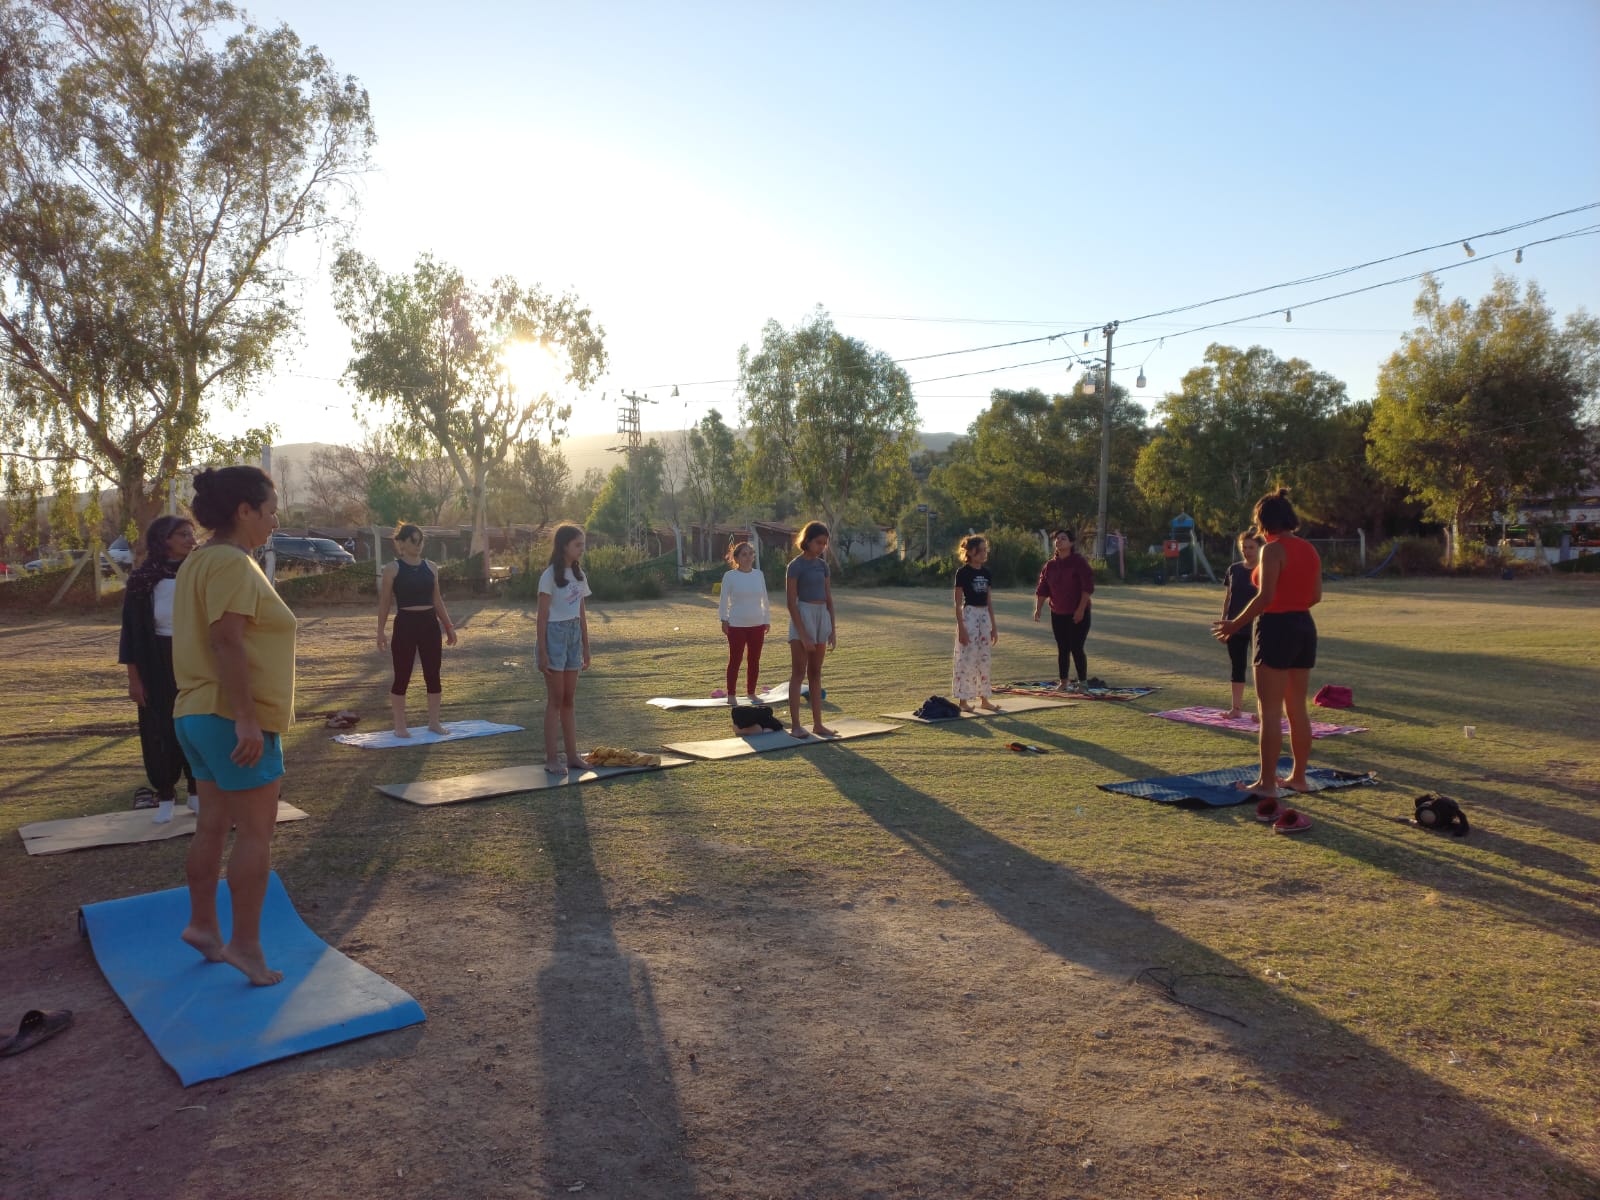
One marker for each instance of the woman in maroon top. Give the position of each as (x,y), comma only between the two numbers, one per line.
(1067,581)
(1289,582)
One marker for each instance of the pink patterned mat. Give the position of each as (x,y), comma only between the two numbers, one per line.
(1218,718)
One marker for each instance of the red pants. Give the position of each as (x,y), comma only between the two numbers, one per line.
(741,638)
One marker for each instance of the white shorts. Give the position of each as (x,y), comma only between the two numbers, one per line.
(819,625)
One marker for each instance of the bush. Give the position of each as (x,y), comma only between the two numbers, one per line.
(1589,564)
(352,582)
(1413,556)
(1016,556)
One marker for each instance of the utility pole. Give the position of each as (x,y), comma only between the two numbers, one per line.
(1105,449)
(632,442)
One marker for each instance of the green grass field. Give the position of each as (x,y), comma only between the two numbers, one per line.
(1401,1013)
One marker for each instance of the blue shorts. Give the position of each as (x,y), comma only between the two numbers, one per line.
(208,742)
(563,643)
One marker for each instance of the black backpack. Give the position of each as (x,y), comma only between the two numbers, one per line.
(1438,812)
(937,708)
(746,716)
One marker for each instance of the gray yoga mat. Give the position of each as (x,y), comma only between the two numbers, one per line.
(1009,706)
(507,781)
(759,743)
(122,828)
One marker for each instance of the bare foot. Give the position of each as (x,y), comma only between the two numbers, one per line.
(254,965)
(208,944)
(797,733)
(988,706)
(1295,783)
(437,727)
(1262,791)
(822,731)
(1233,714)
(578,762)
(555,766)
(400,732)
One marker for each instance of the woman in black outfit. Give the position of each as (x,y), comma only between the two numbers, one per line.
(411,583)
(146,648)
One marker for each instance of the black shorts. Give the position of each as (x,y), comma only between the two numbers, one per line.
(1286,641)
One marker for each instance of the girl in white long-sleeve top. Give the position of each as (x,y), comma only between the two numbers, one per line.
(746,616)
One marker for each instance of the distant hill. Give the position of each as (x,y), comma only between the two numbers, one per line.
(590,450)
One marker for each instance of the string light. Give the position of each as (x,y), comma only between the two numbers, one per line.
(1467,246)
(1288,316)
(1519,254)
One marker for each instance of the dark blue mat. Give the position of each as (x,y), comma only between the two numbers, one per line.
(1216,787)
(204,1018)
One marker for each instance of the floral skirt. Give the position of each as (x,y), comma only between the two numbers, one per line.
(971,675)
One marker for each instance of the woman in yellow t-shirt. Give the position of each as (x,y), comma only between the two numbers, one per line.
(233,657)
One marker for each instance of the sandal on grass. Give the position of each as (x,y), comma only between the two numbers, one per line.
(36,1027)
(145,798)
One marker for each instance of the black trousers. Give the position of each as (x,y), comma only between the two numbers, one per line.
(416,634)
(158,737)
(1070,636)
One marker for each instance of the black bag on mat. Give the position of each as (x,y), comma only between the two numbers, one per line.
(937,708)
(752,716)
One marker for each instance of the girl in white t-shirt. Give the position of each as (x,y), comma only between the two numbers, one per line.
(746,616)
(563,633)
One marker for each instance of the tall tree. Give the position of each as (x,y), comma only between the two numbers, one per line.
(157,158)
(828,414)
(1033,461)
(1484,405)
(713,476)
(530,483)
(451,359)
(1244,420)
(380,480)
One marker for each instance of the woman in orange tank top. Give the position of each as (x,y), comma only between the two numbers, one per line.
(1289,582)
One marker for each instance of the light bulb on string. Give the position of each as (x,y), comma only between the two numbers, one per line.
(1288,316)
(1467,246)
(1519,254)
(1085,337)
(1139,382)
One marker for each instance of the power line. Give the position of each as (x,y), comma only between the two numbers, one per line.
(1586,231)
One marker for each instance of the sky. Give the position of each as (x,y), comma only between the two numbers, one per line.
(943,176)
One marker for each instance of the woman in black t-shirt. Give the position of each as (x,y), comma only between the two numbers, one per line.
(976,631)
(1236,598)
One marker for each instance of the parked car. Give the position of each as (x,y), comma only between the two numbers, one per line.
(120,553)
(309,551)
(67,558)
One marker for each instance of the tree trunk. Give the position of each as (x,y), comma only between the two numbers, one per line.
(480,520)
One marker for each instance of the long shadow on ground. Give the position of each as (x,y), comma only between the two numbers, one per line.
(1442,1138)
(604,1065)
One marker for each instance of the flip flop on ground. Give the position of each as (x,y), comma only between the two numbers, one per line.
(36,1026)
(144,798)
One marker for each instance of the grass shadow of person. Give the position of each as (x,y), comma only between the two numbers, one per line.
(1078,921)
(602,1049)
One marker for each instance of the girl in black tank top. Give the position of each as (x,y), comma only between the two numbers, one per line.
(420,626)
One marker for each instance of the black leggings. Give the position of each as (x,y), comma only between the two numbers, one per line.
(1070,636)
(416,633)
(158,738)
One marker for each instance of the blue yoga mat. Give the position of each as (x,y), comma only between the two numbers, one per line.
(1216,787)
(206,1019)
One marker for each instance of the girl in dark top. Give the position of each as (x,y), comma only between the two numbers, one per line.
(811,628)
(976,630)
(146,648)
(1289,583)
(1237,593)
(411,583)
(1067,581)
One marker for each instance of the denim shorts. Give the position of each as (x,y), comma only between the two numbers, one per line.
(563,642)
(208,742)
